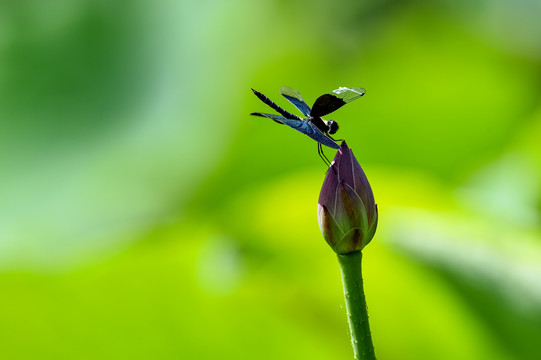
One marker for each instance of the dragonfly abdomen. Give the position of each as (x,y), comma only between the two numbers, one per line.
(271,103)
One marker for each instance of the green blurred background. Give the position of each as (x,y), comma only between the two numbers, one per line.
(145,215)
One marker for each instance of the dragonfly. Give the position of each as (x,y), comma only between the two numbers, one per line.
(312,125)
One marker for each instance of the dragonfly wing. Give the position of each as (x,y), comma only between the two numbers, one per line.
(296,99)
(278,118)
(307,128)
(326,104)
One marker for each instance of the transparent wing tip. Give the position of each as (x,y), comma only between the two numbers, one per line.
(286,90)
(342,89)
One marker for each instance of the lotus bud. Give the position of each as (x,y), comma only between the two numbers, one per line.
(347,213)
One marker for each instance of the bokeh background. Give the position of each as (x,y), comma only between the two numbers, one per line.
(145,215)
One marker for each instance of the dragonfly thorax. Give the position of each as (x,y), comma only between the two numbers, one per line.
(329,127)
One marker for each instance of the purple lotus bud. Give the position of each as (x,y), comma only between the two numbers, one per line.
(347,213)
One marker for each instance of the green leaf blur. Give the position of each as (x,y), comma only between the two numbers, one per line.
(145,215)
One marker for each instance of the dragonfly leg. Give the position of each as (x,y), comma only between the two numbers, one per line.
(322,155)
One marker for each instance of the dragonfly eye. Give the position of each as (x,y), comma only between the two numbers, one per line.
(333,126)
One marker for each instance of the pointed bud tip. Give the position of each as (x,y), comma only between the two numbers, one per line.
(343,151)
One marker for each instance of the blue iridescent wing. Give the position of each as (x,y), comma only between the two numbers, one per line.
(278,118)
(305,127)
(326,104)
(296,99)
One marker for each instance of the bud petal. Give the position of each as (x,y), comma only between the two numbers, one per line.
(331,231)
(373,227)
(350,242)
(353,206)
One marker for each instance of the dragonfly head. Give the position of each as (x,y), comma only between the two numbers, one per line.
(332,126)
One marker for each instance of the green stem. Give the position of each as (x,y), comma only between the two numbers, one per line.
(350,266)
